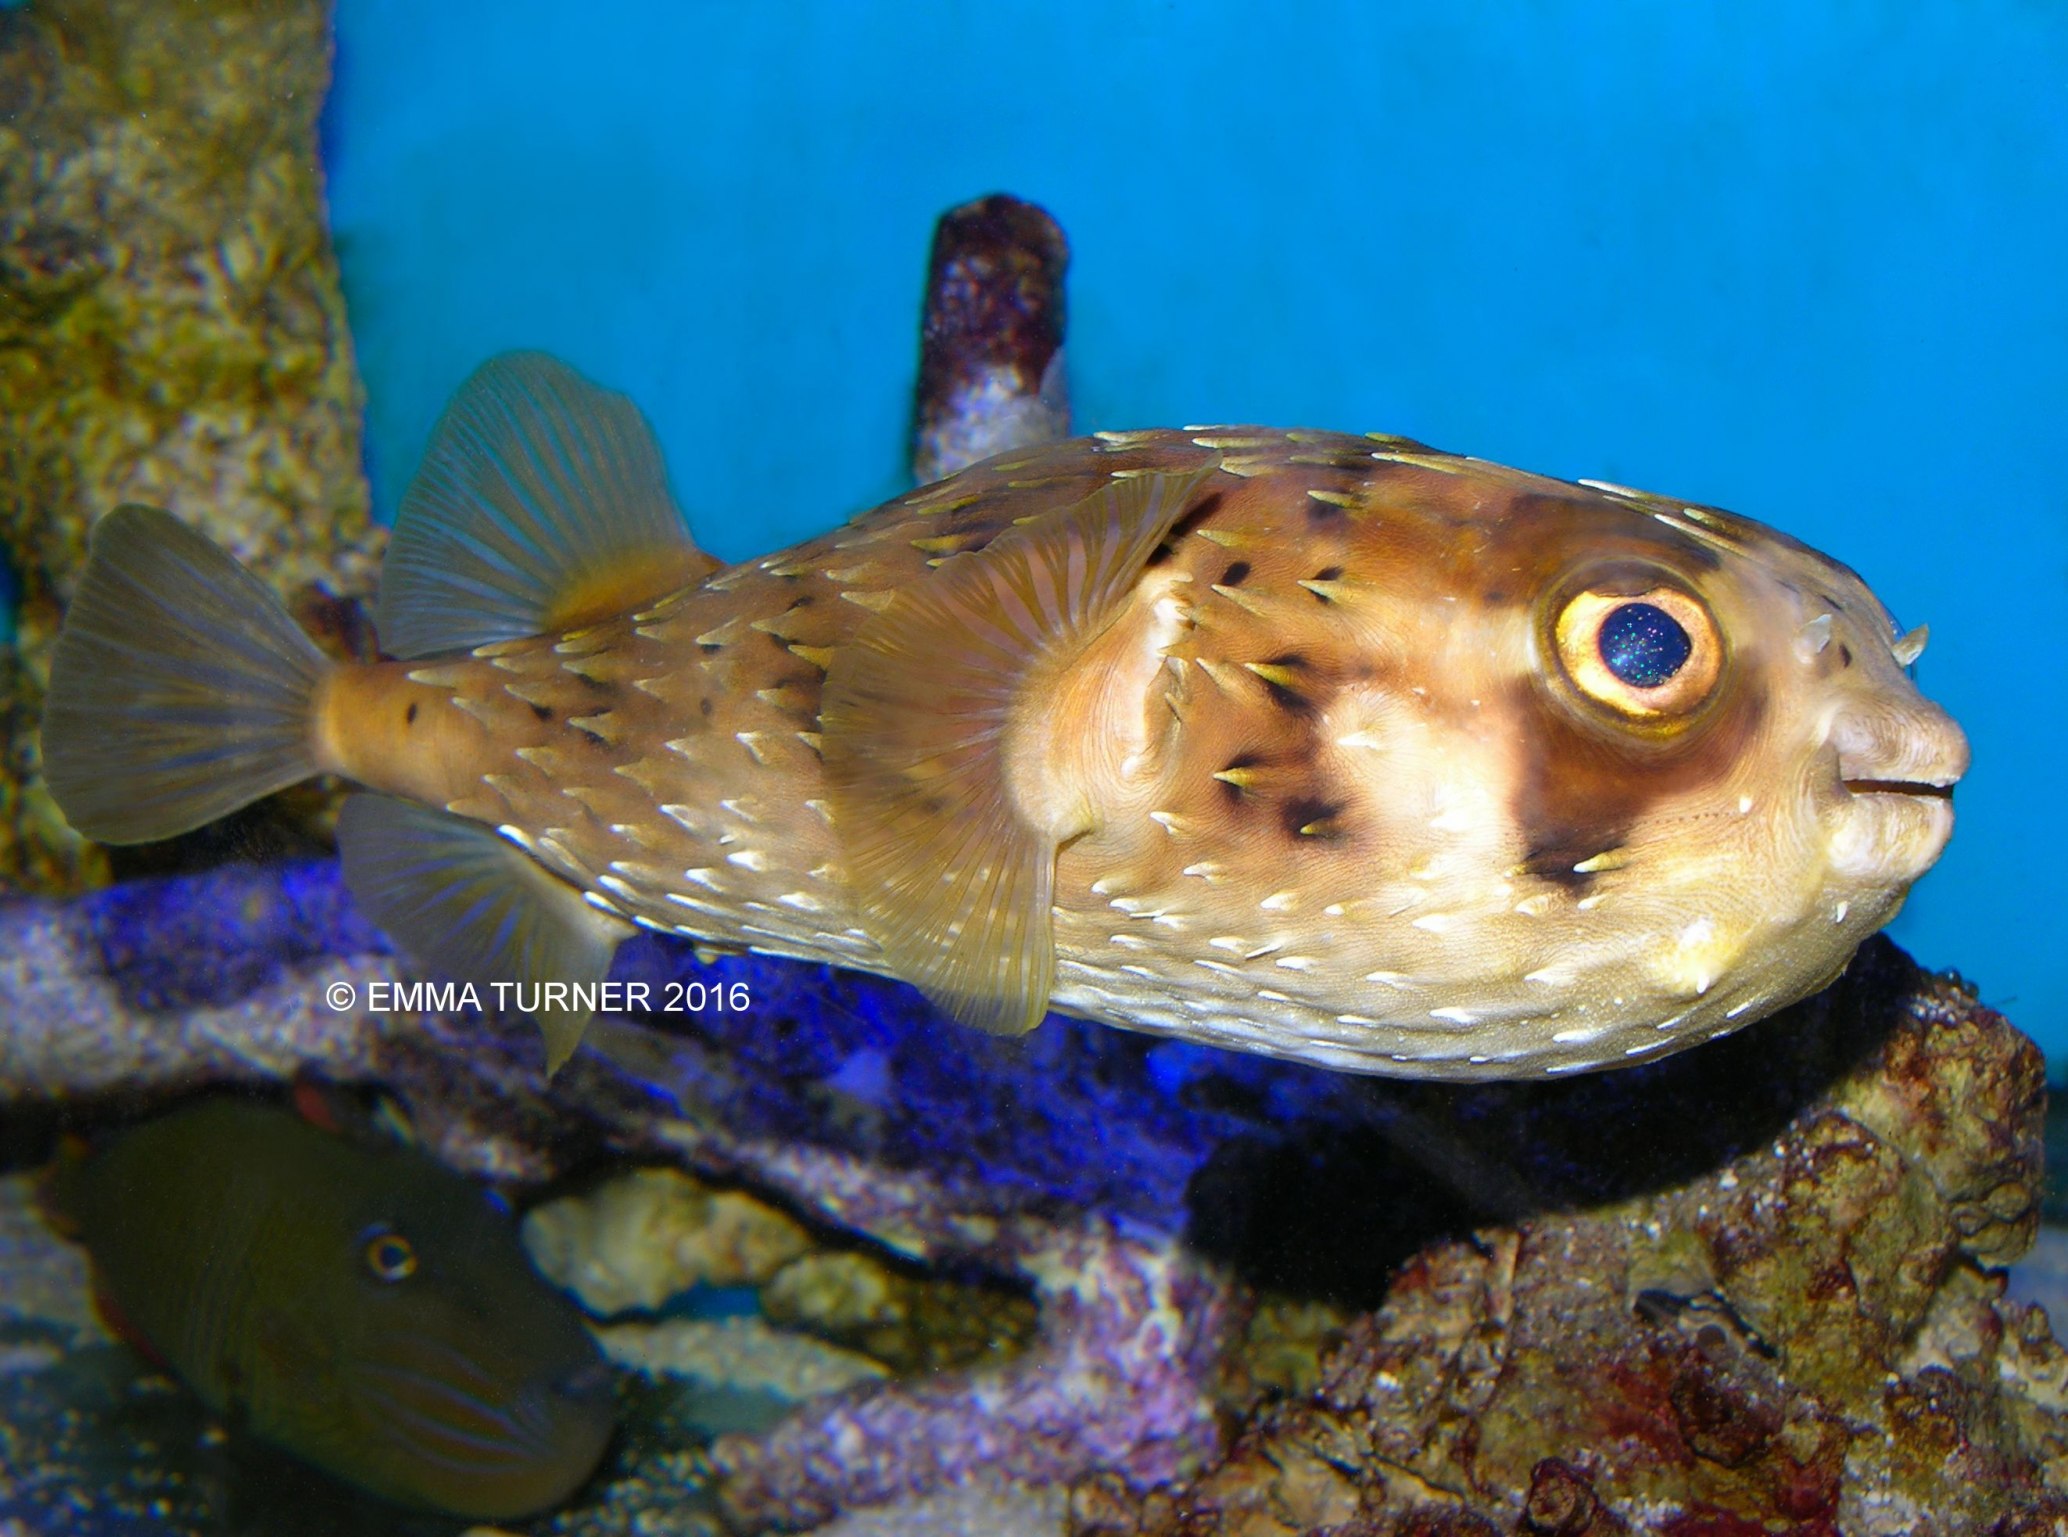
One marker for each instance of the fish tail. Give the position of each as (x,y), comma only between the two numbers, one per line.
(60,1196)
(180,687)
(56,1190)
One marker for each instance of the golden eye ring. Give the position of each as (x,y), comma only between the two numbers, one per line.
(1652,658)
(388,1255)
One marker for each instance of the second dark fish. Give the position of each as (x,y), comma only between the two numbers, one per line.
(356,1304)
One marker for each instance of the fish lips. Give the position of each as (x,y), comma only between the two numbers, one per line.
(1893,773)
(463,1441)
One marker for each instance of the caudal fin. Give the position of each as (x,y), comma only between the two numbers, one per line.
(180,688)
(57,1190)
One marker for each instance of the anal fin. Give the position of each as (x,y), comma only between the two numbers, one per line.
(952,873)
(458,897)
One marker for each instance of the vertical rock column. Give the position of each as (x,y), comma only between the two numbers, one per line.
(171,327)
(991,373)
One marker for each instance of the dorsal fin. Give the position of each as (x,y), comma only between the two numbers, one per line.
(542,503)
(952,877)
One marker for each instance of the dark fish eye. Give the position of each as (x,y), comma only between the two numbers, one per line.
(1651,659)
(1642,645)
(389,1255)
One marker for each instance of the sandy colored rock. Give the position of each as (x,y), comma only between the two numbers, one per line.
(43,1279)
(171,327)
(911,1322)
(653,1233)
(831,1293)
(744,1354)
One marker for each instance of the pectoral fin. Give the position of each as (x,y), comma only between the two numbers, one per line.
(458,897)
(952,874)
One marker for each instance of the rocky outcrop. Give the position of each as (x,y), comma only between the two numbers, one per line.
(171,327)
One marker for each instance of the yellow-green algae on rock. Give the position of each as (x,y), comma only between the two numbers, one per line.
(171,327)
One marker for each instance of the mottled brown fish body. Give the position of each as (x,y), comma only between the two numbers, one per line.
(1330,747)
(358,1305)
(1336,780)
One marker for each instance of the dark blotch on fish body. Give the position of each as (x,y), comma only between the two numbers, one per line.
(356,1304)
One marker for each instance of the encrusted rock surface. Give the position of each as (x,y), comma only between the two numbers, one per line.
(171,328)
(910,1321)
(741,1355)
(1810,1336)
(991,371)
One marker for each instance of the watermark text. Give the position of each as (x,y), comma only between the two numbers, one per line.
(394,997)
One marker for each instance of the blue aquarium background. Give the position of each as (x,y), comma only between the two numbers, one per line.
(1805,262)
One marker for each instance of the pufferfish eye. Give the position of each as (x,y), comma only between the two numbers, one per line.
(388,1255)
(1650,656)
(1642,645)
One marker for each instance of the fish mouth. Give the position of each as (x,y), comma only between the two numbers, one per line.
(462,1423)
(1914,751)
(1888,830)
(1930,789)
(459,1438)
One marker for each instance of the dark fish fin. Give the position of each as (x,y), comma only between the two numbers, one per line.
(542,504)
(60,1197)
(954,882)
(358,1116)
(319,1103)
(468,903)
(57,1190)
(117,1323)
(180,688)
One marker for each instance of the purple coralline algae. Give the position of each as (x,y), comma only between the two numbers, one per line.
(163,985)
(1116,1380)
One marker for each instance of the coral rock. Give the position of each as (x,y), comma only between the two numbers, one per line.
(742,1355)
(1808,1336)
(653,1233)
(910,1321)
(171,327)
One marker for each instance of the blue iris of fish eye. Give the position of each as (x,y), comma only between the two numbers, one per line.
(1643,645)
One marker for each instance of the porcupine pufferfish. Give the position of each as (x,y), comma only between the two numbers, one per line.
(1329,747)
